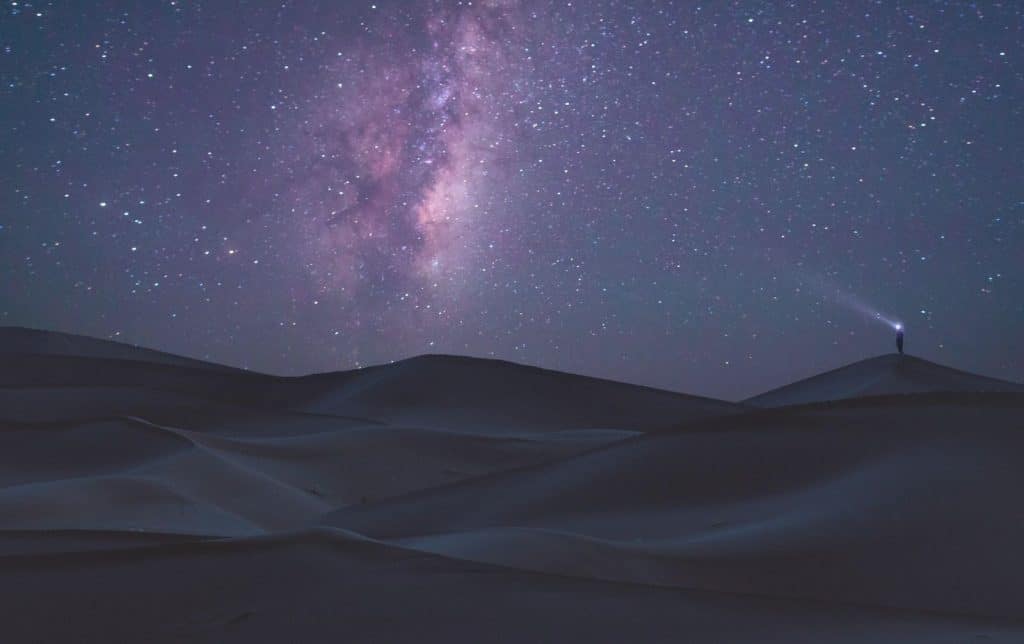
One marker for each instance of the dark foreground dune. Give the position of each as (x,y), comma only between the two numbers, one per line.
(327,588)
(147,497)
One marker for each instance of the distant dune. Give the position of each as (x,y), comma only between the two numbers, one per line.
(146,497)
(20,340)
(442,392)
(473,394)
(884,375)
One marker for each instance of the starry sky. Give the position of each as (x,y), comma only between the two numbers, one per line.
(710,197)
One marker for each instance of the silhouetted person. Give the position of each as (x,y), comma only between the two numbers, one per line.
(899,339)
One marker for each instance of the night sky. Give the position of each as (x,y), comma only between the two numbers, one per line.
(716,198)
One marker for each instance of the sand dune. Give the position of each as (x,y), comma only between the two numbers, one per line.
(101,442)
(128,473)
(332,587)
(890,374)
(436,392)
(895,506)
(477,499)
(41,452)
(20,340)
(491,395)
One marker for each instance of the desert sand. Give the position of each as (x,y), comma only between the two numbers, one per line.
(151,497)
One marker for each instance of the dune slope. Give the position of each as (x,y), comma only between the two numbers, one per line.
(905,505)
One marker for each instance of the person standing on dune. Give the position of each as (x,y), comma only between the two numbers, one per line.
(899,338)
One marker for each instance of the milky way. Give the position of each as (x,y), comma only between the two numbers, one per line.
(397,158)
(699,197)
